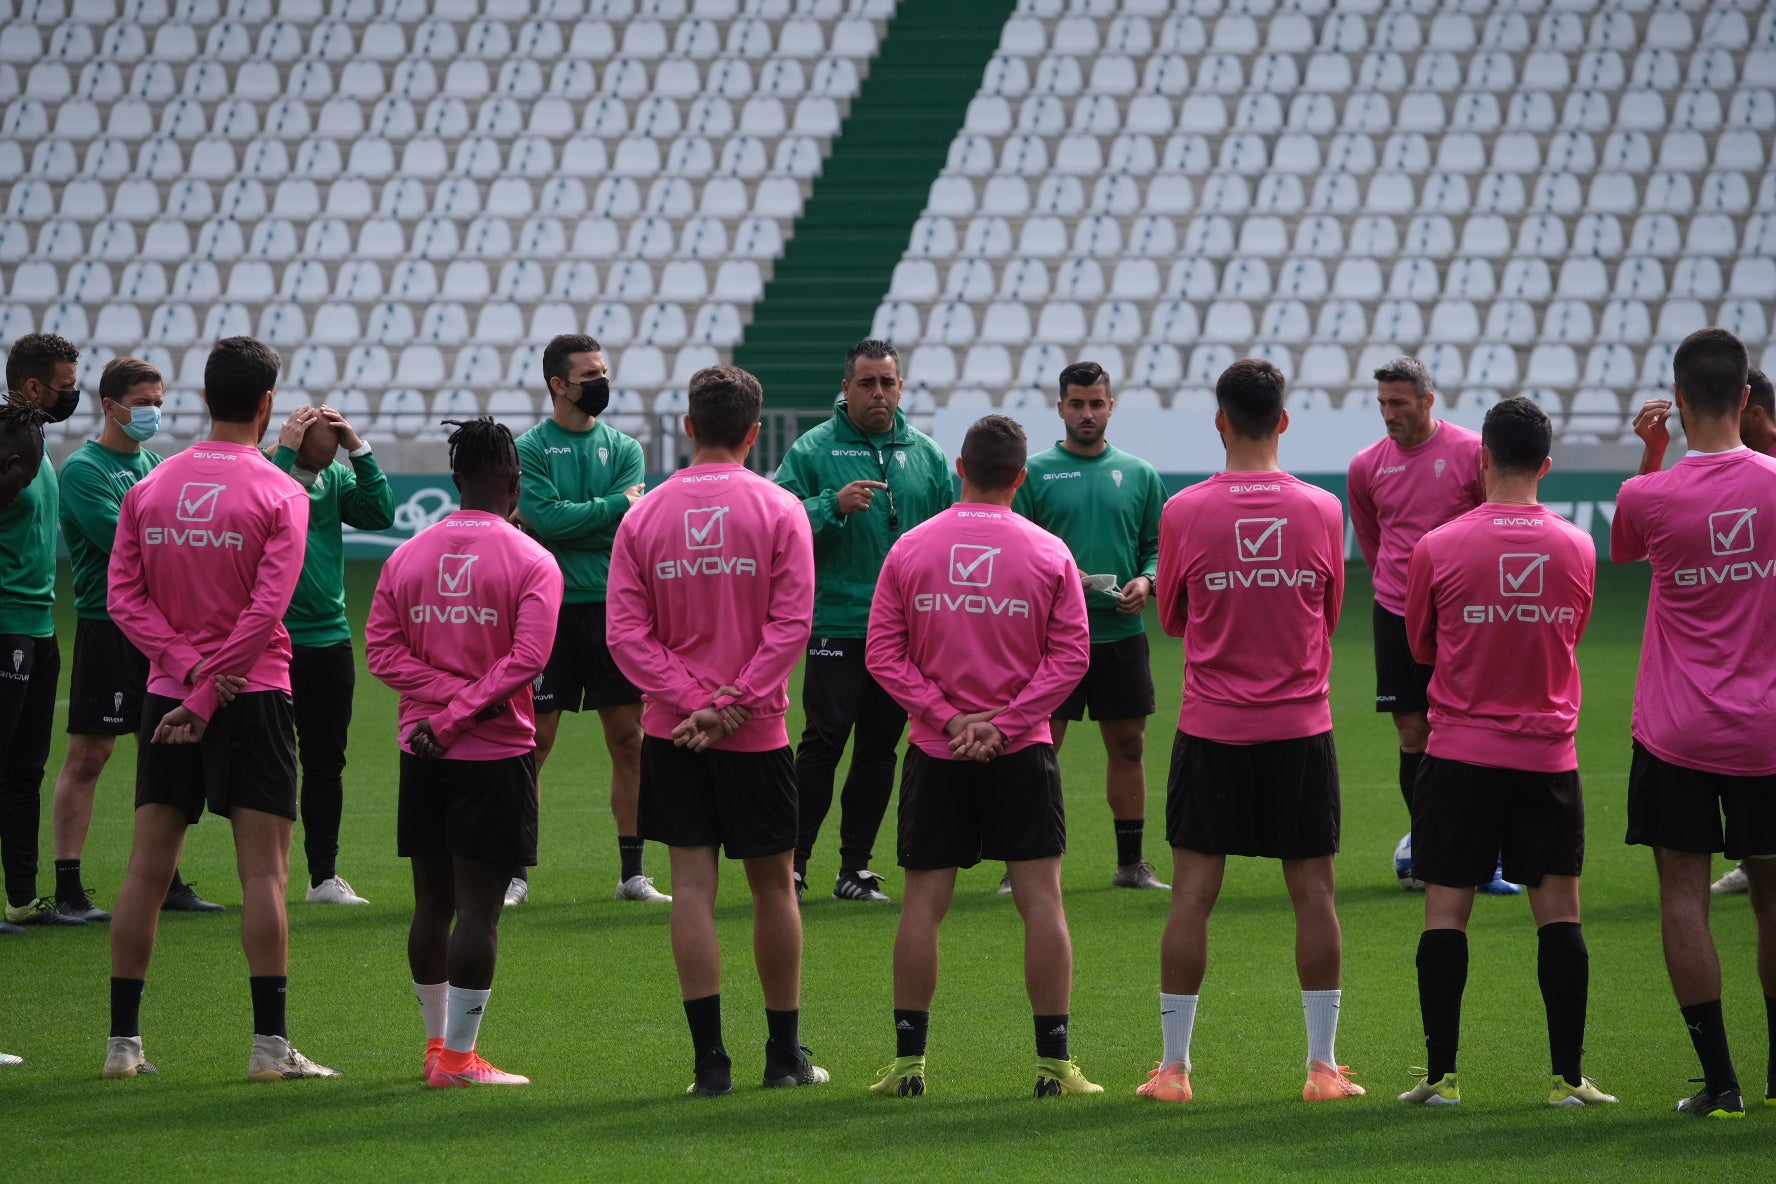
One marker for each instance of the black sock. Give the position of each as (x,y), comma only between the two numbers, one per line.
(1408,778)
(177,883)
(630,848)
(784,1029)
(1770,1073)
(1563,966)
(269,991)
(1708,1032)
(911,1030)
(1442,977)
(705,1017)
(68,886)
(1051,1036)
(522,875)
(126,1006)
(1128,840)
(316,879)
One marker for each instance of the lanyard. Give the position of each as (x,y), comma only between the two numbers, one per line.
(893,512)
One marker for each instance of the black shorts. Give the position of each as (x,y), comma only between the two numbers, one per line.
(1401,683)
(1465,818)
(1278,799)
(485,810)
(246,759)
(957,813)
(1680,809)
(581,673)
(1117,685)
(109,679)
(743,802)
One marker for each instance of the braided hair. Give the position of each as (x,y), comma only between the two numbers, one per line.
(481,445)
(21,431)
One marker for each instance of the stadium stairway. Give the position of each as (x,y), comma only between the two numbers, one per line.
(836,267)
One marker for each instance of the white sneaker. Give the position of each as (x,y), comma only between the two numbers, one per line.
(7,1058)
(1731,884)
(641,888)
(333,890)
(517,892)
(274,1060)
(123,1058)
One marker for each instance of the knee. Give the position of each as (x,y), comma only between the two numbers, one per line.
(1128,750)
(87,762)
(1415,732)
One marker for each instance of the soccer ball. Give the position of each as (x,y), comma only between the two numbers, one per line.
(1403,865)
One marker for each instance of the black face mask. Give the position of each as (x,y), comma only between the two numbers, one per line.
(594,396)
(66,402)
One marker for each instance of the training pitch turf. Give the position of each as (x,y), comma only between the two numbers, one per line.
(586,1003)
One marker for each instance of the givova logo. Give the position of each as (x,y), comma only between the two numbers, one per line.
(1259,540)
(197,501)
(1521,573)
(453,574)
(971,565)
(704,529)
(1730,531)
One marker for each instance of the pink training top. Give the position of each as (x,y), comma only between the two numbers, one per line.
(1707,670)
(712,585)
(1497,601)
(1251,576)
(463,619)
(1399,494)
(209,548)
(977,609)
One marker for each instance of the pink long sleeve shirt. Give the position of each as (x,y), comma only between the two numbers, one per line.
(1707,670)
(978,610)
(1251,576)
(1398,495)
(209,548)
(463,619)
(1497,601)
(712,585)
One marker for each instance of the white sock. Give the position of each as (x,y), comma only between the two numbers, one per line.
(434,1001)
(1322,1024)
(463,1026)
(1177,1018)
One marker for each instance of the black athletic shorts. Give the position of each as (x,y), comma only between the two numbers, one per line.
(246,759)
(109,679)
(1117,685)
(485,810)
(1681,809)
(743,802)
(957,813)
(1465,818)
(1278,799)
(1401,684)
(581,673)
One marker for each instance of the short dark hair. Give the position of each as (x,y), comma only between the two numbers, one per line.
(1518,435)
(1084,374)
(562,347)
(724,404)
(121,375)
(1762,393)
(35,356)
(1250,393)
(994,452)
(21,431)
(481,445)
(869,347)
(1406,369)
(1710,367)
(239,372)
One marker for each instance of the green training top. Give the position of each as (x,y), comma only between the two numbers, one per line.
(572,498)
(1106,509)
(94,479)
(28,557)
(355,495)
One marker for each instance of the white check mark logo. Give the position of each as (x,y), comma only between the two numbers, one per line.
(189,507)
(453,584)
(1252,545)
(964,570)
(698,536)
(1517,580)
(1726,540)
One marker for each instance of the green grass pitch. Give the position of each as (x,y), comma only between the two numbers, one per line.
(587,1004)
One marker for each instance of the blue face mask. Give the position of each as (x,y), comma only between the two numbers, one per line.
(143,423)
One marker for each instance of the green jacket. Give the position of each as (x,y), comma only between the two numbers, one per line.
(572,498)
(28,557)
(848,552)
(355,495)
(94,480)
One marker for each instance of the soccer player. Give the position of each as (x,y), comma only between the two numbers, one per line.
(1496,602)
(1703,747)
(864,476)
(1105,505)
(1423,473)
(110,675)
(322,669)
(580,477)
(209,547)
(979,630)
(1251,576)
(41,377)
(711,595)
(462,621)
